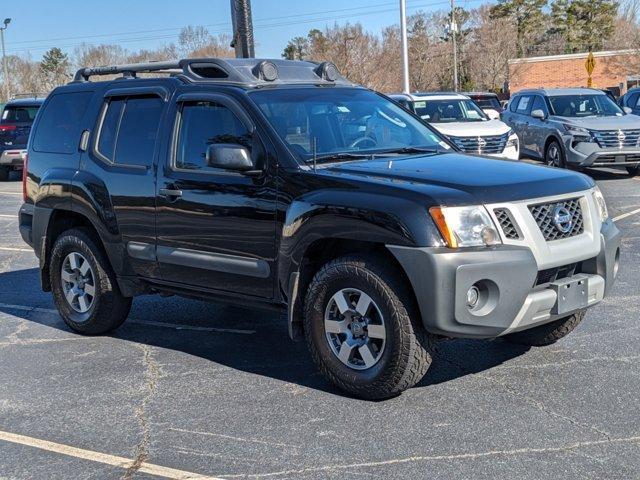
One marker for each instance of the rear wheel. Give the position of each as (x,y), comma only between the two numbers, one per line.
(4,174)
(548,333)
(554,157)
(84,286)
(363,330)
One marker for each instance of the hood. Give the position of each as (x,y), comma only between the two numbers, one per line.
(458,179)
(624,122)
(472,129)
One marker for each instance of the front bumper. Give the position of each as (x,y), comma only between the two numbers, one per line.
(589,154)
(13,158)
(441,278)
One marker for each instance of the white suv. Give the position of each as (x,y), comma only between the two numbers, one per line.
(464,123)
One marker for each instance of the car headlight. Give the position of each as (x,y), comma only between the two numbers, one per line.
(465,226)
(513,139)
(601,204)
(580,134)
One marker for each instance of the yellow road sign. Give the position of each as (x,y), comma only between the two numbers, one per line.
(590,63)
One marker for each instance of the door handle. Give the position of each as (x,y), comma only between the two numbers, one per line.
(170,193)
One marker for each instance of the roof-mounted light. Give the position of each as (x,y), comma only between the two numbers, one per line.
(327,71)
(267,71)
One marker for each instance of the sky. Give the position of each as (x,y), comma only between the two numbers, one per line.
(38,25)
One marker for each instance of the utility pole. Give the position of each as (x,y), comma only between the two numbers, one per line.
(405,48)
(5,73)
(454,40)
(242,29)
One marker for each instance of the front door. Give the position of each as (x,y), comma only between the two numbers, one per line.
(216,227)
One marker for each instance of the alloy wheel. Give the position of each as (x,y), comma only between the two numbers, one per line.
(78,282)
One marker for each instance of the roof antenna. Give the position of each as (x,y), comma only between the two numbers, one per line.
(315,152)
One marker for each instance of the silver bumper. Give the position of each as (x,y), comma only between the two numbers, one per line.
(13,158)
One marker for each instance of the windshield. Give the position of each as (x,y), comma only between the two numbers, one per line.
(589,105)
(19,114)
(442,111)
(342,120)
(488,102)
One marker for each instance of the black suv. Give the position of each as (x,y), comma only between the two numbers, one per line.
(279,183)
(15,125)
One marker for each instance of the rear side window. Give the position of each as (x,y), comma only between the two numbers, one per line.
(524,104)
(59,127)
(127,135)
(19,114)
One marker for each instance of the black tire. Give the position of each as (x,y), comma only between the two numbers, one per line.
(406,356)
(4,174)
(552,160)
(633,171)
(109,307)
(548,333)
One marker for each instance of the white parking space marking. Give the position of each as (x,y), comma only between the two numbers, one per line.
(8,216)
(113,460)
(11,193)
(15,249)
(151,323)
(625,215)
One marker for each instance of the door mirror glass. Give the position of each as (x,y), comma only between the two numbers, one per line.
(229,156)
(492,114)
(627,110)
(539,114)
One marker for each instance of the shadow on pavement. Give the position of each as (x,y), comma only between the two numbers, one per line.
(267,352)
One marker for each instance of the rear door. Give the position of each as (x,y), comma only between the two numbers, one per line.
(520,122)
(216,227)
(537,130)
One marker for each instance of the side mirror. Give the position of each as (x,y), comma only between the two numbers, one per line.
(627,110)
(229,156)
(539,114)
(492,114)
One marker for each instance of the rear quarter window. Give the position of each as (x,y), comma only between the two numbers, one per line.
(59,127)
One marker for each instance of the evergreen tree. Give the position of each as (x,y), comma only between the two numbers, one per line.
(584,24)
(527,15)
(54,68)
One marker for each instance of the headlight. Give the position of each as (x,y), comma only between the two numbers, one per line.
(513,140)
(465,226)
(581,134)
(601,204)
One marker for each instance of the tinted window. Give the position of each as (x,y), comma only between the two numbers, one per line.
(129,130)
(59,126)
(453,110)
(487,102)
(524,104)
(587,105)
(202,124)
(634,101)
(513,103)
(19,114)
(539,104)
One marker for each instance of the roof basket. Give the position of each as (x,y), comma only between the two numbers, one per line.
(237,71)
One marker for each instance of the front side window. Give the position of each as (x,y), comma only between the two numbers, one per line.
(129,130)
(59,127)
(444,111)
(539,104)
(202,124)
(588,105)
(342,120)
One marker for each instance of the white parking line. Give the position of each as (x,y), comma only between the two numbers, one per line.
(152,323)
(113,460)
(15,249)
(11,193)
(8,216)
(625,215)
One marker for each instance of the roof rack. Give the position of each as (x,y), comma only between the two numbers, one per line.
(238,71)
(28,95)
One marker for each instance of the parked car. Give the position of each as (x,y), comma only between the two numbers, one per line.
(631,100)
(463,122)
(575,127)
(15,125)
(281,184)
(488,102)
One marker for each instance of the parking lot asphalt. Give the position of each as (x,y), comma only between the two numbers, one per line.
(189,389)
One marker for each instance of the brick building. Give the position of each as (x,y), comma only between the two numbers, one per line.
(616,70)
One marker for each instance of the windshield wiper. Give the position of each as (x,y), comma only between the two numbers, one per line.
(412,150)
(339,156)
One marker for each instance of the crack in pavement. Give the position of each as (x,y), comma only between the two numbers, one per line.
(152,374)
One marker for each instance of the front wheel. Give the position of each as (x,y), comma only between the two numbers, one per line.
(84,286)
(554,157)
(548,333)
(363,330)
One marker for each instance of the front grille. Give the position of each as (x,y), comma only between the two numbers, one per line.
(507,223)
(543,214)
(611,158)
(480,144)
(616,138)
(556,273)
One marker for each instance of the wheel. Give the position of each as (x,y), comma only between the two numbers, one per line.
(554,156)
(4,174)
(633,171)
(363,330)
(84,286)
(548,333)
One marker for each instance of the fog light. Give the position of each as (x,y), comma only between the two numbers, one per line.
(473,295)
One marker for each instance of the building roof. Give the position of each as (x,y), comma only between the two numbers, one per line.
(571,56)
